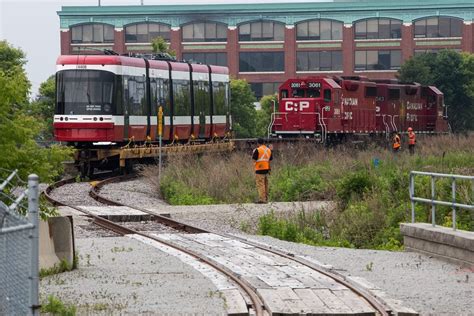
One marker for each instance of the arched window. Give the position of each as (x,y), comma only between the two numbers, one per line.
(378,28)
(146,32)
(92,33)
(205,32)
(262,31)
(438,27)
(319,30)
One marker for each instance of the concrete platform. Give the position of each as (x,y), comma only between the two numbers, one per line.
(112,213)
(453,245)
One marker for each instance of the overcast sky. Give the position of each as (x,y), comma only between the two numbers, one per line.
(33,26)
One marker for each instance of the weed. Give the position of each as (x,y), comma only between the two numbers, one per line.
(63,266)
(369,266)
(56,307)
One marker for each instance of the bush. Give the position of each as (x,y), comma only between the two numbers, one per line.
(297,184)
(354,185)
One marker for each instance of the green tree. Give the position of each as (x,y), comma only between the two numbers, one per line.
(265,113)
(159,45)
(243,108)
(18,128)
(453,74)
(43,107)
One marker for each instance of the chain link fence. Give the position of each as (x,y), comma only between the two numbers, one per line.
(18,246)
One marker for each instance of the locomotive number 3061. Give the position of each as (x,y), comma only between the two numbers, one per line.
(314,84)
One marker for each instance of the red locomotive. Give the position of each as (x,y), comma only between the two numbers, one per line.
(334,108)
(111,99)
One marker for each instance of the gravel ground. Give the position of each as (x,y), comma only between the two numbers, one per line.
(428,285)
(124,276)
(129,192)
(75,194)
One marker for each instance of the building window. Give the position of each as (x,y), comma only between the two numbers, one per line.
(205,32)
(92,33)
(378,28)
(219,59)
(262,31)
(319,61)
(378,59)
(319,30)
(438,27)
(261,61)
(261,89)
(146,32)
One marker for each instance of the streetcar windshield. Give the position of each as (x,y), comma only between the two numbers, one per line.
(84,92)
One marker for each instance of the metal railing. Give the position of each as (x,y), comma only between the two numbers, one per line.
(433,201)
(19,246)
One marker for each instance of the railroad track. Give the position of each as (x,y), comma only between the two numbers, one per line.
(261,300)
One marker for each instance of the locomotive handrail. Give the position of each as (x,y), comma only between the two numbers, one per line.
(434,201)
(387,128)
(393,122)
(320,121)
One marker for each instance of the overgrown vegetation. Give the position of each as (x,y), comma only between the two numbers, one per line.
(371,199)
(56,307)
(63,266)
(23,124)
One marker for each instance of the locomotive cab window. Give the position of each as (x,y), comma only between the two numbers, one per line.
(284,94)
(370,91)
(297,93)
(394,94)
(314,93)
(327,95)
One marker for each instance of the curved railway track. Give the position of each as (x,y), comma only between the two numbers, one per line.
(258,305)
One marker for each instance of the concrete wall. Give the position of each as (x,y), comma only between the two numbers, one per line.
(445,243)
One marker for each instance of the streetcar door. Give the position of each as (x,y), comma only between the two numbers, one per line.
(126,110)
(201,106)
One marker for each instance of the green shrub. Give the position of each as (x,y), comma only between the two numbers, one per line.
(354,184)
(177,193)
(297,184)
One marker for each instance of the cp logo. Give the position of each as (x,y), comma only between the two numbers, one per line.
(295,106)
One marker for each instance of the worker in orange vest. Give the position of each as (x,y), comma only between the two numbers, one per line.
(411,140)
(262,156)
(397,145)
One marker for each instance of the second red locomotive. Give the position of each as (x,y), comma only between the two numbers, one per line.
(331,108)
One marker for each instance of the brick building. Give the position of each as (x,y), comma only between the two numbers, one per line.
(268,43)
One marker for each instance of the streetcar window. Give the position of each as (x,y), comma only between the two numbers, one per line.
(219,91)
(298,93)
(314,93)
(136,95)
(182,97)
(284,94)
(327,95)
(202,100)
(85,92)
(370,91)
(393,94)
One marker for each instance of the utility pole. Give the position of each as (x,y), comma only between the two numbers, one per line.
(99,3)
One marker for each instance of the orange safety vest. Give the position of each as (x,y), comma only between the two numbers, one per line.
(396,142)
(263,161)
(411,138)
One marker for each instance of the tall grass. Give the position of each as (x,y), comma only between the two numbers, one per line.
(372,199)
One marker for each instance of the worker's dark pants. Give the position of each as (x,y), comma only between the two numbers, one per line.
(411,148)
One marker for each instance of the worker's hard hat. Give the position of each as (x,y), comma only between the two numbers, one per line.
(410,129)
